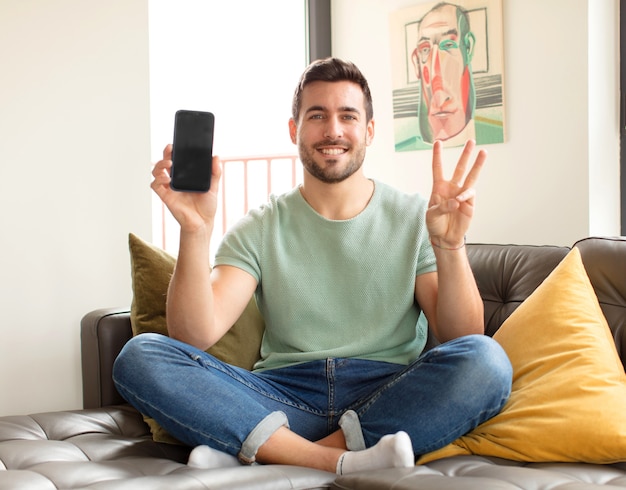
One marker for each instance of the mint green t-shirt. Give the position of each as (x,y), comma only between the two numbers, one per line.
(335,289)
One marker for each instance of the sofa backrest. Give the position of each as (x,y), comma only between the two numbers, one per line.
(507,274)
(605,262)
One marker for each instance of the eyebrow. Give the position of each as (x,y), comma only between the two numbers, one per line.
(341,109)
(453,32)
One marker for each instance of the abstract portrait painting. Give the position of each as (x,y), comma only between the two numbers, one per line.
(447,73)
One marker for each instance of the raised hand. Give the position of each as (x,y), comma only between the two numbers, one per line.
(192,210)
(451,205)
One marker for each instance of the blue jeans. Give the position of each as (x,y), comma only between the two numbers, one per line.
(198,399)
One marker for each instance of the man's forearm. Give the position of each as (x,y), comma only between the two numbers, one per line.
(459,305)
(190,312)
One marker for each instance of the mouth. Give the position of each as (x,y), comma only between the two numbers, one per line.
(442,114)
(331,150)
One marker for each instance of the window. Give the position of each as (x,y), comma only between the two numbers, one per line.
(240,60)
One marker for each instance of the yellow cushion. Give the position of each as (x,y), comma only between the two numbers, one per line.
(568,401)
(151,270)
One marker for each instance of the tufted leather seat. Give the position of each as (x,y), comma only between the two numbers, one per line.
(111,447)
(479,473)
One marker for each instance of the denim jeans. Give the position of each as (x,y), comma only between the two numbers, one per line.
(198,399)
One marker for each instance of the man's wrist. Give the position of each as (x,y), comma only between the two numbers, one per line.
(439,245)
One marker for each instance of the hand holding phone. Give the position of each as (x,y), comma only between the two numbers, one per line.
(192,152)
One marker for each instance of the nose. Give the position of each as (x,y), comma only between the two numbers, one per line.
(439,96)
(436,82)
(333,128)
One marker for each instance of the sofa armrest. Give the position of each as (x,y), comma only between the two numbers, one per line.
(103,333)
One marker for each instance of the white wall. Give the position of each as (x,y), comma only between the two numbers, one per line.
(75,149)
(556,177)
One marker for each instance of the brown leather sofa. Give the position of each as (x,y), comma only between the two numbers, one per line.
(107,445)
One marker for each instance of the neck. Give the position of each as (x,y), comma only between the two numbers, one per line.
(340,201)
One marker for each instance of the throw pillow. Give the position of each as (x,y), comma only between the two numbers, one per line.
(569,387)
(151,270)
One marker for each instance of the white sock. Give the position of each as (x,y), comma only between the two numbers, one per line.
(392,451)
(205,457)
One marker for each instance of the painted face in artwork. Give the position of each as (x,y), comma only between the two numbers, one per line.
(442,62)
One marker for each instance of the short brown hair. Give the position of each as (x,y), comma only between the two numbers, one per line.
(332,70)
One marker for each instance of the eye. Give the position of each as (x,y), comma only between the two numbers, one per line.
(423,51)
(448,44)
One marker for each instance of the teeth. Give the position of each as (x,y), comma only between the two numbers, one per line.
(332,151)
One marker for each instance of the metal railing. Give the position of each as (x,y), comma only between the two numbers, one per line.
(251,180)
(246,182)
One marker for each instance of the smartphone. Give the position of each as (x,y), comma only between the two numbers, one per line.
(192,152)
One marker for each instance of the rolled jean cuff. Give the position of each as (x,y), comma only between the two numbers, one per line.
(352,432)
(260,434)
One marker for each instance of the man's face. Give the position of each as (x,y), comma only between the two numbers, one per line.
(444,72)
(332,131)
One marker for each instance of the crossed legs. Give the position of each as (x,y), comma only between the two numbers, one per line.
(453,388)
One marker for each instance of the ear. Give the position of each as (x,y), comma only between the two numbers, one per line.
(370,133)
(470,42)
(416,63)
(293,131)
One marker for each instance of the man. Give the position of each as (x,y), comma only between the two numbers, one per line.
(442,62)
(340,267)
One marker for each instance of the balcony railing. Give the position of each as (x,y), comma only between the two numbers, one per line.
(249,181)
(246,182)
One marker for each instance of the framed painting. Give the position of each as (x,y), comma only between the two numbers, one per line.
(447,73)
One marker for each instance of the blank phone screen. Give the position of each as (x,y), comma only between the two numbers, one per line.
(193,151)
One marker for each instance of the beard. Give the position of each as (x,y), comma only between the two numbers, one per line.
(332,172)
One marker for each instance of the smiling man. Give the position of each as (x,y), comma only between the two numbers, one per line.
(341,268)
(334,142)
(442,62)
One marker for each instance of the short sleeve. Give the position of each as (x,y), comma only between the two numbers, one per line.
(240,247)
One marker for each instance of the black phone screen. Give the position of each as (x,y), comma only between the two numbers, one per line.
(192,152)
